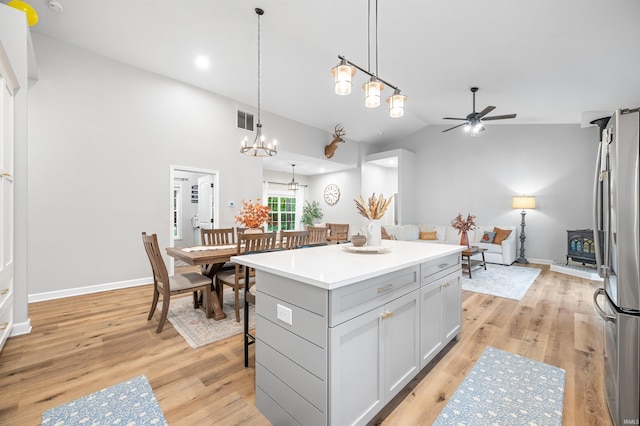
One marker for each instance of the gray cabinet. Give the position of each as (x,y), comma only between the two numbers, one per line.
(373,356)
(440,315)
(440,305)
(339,356)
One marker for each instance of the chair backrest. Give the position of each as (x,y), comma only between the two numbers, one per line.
(160,274)
(250,242)
(317,234)
(293,239)
(217,237)
(338,231)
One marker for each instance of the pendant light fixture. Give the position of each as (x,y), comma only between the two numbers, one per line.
(346,69)
(293,185)
(259,147)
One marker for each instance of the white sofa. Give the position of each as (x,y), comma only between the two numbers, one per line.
(504,253)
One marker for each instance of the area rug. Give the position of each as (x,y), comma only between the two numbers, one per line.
(198,330)
(507,389)
(511,282)
(128,403)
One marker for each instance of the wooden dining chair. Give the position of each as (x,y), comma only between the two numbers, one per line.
(235,278)
(168,286)
(293,239)
(338,232)
(217,237)
(318,235)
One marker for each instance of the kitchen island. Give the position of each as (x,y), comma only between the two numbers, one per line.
(340,332)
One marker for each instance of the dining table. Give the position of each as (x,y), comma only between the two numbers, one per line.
(210,259)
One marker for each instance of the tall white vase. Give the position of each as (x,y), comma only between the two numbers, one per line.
(374,233)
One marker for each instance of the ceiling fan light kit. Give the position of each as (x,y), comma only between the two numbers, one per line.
(259,147)
(473,121)
(345,70)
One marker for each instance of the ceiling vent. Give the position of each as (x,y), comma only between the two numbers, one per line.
(245,121)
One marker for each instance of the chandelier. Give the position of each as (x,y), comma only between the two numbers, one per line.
(259,147)
(293,185)
(346,69)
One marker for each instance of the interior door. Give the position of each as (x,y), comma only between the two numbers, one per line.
(206,202)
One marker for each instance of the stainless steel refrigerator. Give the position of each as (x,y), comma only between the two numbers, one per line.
(618,302)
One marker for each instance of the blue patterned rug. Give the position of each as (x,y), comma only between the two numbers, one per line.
(128,403)
(511,282)
(507,389)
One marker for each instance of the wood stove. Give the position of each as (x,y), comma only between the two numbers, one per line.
(581,247)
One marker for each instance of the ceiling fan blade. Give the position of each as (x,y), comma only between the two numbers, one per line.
(455,127)
(454,118)
(486,111)
(499,117)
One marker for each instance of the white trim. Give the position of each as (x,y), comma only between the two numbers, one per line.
(59,294)
(575,271)
(20,329)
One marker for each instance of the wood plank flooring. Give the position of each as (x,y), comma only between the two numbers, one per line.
(83,344)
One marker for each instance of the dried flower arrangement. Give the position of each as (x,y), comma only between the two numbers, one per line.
(464,225)
(253,215)
(375,209)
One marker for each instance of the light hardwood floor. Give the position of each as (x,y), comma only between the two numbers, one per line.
(82,344)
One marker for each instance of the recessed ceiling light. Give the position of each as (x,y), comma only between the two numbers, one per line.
(202,62)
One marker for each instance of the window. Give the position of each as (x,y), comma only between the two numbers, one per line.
(283,213)
(177,212)
(244,120)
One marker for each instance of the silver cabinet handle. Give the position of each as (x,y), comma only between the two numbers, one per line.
(443,265)
(600,311)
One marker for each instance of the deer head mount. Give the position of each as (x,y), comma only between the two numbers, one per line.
(330,149)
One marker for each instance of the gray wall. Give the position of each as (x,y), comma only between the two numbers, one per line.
(457,173)
(102,138)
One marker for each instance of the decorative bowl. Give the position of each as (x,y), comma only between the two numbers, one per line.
(358,240)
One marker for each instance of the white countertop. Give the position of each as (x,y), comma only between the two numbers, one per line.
(332,266)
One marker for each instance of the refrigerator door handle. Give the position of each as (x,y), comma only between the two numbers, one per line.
(597,212)
(601,312)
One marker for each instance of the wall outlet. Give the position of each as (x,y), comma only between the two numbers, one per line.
(284,314)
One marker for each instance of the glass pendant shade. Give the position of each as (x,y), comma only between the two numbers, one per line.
(396,104)
(342,74)
(372,90)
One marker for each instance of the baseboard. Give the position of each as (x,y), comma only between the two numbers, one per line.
(59,294)
(21,328)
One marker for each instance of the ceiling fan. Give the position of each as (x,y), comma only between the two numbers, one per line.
(473,121)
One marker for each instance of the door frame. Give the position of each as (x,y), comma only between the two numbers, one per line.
(216,204)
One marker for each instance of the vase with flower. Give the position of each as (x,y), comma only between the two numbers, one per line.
(373,210)
(463,226)
(253,215)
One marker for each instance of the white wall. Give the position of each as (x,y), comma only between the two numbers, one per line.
(102,138)
(480,175)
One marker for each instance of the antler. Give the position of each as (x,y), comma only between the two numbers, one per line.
(339,131)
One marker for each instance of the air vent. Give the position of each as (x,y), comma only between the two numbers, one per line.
(245,121)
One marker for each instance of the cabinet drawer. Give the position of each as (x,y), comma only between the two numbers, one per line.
(434,269)
(352,300)
(306,324)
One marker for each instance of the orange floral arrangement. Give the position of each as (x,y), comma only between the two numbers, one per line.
(253,215)
(463,225)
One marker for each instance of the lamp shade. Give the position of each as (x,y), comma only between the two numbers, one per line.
(524,202)
(372,90)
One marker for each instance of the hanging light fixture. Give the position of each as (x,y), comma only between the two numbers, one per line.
(259,148)
(373,88)
(293,185)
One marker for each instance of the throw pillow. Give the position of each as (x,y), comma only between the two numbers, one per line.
(428,235)
(501,235)
(385,234)
(488,237)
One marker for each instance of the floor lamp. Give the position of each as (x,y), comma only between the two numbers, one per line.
(523,202)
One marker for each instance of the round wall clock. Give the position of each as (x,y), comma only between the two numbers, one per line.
(331,194)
